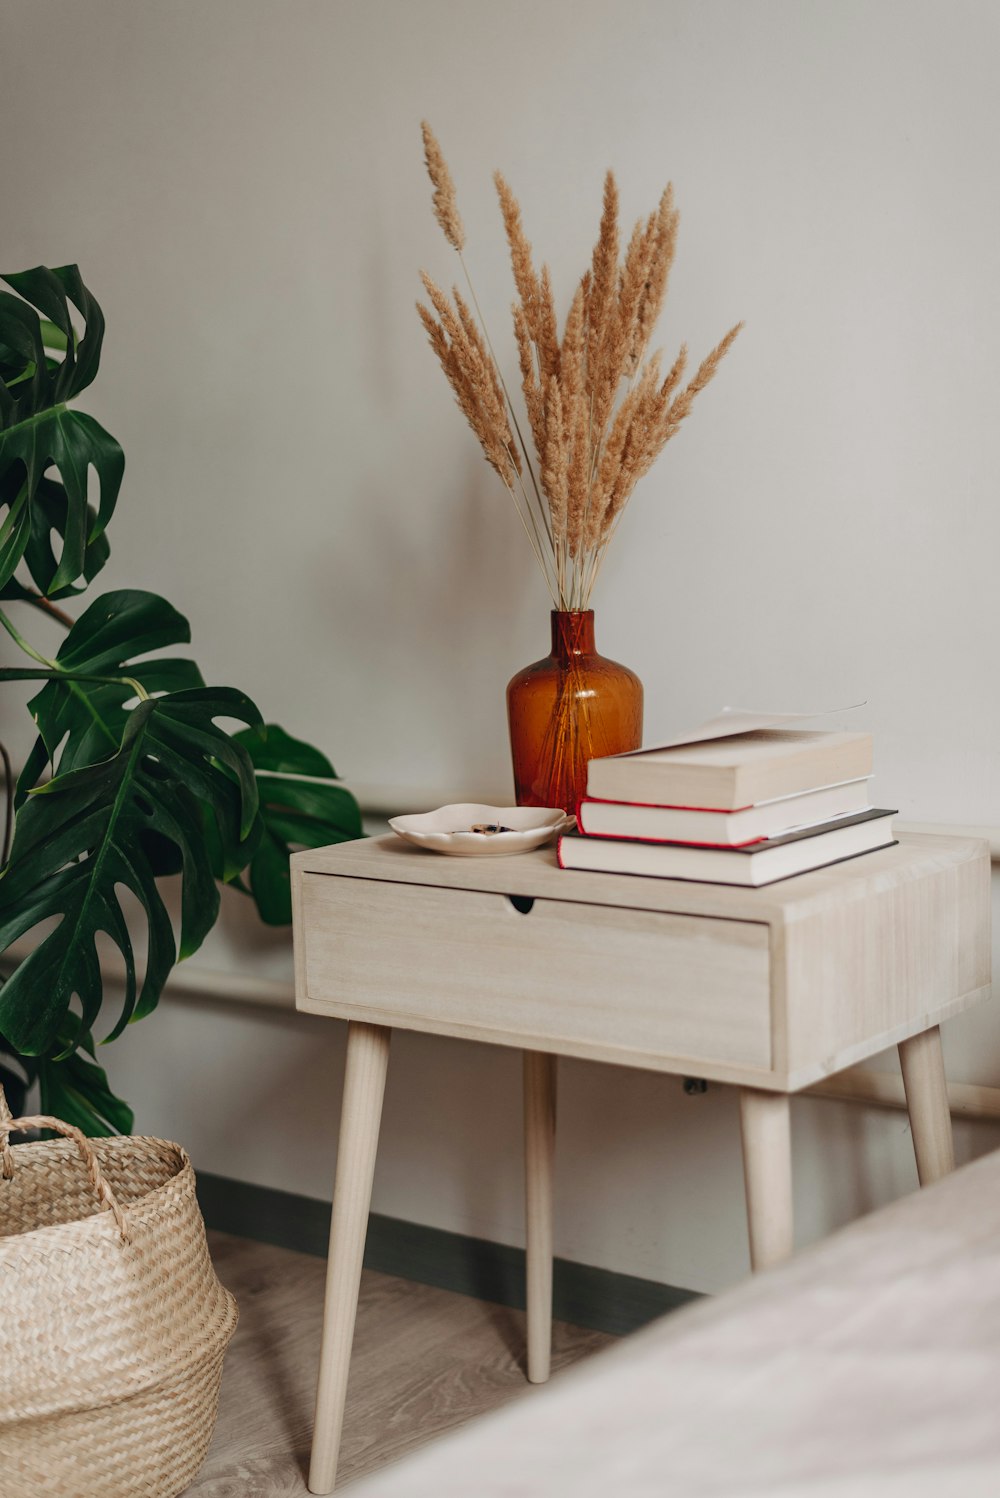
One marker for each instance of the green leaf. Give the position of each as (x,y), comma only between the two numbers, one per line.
(88,718)
(271,748)
(85,834)
(49,519)
(73,1088)
(53,337)
(120,626)
(38,432)
(76,1090)
(295,814)
(52,293)
(73,443)
(270,881)
(17,1073)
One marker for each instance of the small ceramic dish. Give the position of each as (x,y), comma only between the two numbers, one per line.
(466,830)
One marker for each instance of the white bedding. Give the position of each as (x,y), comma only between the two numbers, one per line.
(867,1365)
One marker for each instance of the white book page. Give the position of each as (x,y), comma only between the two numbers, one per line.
(734,720)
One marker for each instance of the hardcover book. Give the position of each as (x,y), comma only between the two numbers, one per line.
(760,863)
(725,774)
(723,829)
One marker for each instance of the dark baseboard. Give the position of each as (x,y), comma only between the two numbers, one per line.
(581,1294)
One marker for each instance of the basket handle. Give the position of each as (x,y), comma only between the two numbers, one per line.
(6,1158)
(102,1190)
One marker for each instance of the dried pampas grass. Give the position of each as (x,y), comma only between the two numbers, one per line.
(598,412)
(445,202)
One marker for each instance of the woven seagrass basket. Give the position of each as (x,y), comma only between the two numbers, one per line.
(113,1324)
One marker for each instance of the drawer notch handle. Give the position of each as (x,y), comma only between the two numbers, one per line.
(522,903)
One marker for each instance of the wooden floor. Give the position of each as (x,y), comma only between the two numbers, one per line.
(424,1361)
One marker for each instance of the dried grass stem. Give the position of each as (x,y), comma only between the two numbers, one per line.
(597,411)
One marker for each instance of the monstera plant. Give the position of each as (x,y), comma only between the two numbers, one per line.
(139,773)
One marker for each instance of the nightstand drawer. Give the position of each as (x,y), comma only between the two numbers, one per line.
(601,979)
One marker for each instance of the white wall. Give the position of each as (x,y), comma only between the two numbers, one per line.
(242,185)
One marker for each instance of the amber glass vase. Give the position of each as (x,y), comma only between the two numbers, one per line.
(569,708)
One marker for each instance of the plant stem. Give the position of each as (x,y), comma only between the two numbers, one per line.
(55,673)
(542,552)
(542,507)
(39,602)
(600,552)
(22,643)
(535,545)
(8,826)
(14,508)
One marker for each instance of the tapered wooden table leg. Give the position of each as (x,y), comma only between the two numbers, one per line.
(767,1171)
(927,1104)
(360,1116)
(539,1160)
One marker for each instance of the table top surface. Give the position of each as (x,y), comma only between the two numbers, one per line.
(537,875)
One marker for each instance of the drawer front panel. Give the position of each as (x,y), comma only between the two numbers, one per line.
(460,960)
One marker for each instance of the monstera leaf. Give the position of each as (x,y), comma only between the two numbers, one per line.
(49,517)
(80,712)
(39,432)
(76,1090)
(16,1082)
(145,780)
(85,834)
(296,813)
(73,1088)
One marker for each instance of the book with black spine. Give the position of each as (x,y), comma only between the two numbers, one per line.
(792,853)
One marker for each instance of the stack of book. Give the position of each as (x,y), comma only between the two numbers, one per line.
(749,808)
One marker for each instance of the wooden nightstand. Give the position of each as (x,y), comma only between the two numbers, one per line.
(769,990)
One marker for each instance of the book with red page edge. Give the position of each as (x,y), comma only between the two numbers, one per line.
(704,827)
(783,857)
(679,842)
(664,806)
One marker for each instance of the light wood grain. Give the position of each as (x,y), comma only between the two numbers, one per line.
(539,1166)
(860,956)
(537,875)
(862,969)
(922,1065)
(451,959)
(533,875)
(364,1086)
(767,1172)
(773,989)
(425,1361)
(885,1090)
